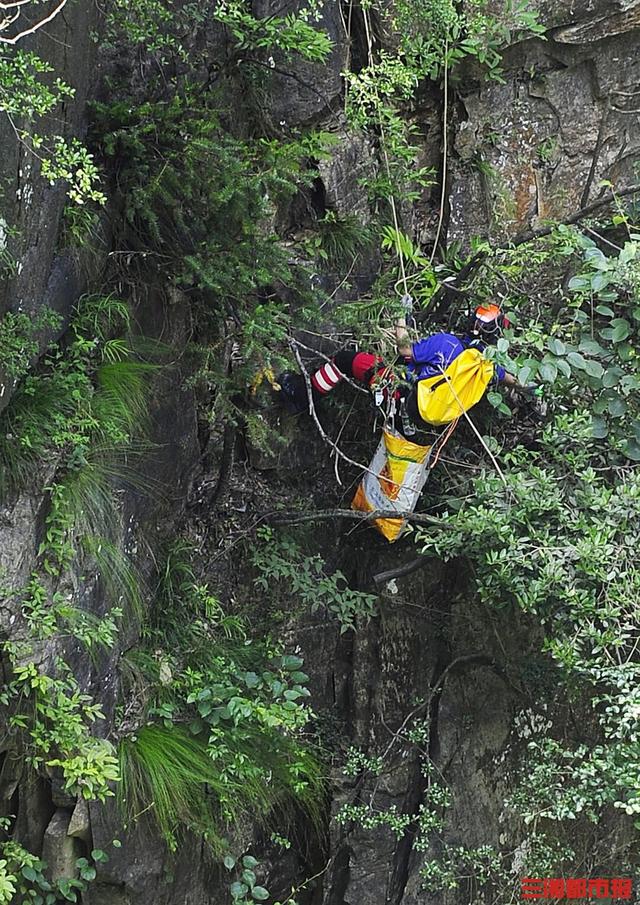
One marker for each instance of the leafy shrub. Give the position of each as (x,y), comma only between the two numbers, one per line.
(280,559)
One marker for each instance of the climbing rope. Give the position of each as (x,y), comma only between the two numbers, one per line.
(383,146)
(440,443)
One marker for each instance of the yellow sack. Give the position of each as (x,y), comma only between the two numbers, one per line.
(395,479)
(444,398)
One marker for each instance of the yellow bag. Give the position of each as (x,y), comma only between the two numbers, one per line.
(444,398)
(395,479)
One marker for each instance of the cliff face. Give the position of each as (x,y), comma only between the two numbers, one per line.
(537,146)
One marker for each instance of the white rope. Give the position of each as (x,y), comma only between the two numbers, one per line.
(396,219)
(445,150)
(475,430)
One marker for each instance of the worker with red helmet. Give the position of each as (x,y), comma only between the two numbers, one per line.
(423,359)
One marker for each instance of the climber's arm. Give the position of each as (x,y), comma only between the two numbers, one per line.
(403,340)
(531,389)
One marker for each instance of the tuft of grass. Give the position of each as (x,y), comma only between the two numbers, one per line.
(122,580)
(342,237)
(183,783)
(168,773)
(29,424)
(120,404)
(243,757)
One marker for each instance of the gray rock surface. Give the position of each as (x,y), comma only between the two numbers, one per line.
(539,146)
(60,850)
(536,147)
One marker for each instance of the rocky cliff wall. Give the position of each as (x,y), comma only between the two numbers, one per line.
(536,146)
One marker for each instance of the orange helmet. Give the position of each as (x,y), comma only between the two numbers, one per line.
(489,320)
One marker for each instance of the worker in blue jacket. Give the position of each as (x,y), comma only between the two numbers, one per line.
(425,358)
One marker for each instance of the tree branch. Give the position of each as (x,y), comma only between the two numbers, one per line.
(328,358)
(540,232)
(312,412)
(33,28)
(441,296)
(408,568)
(291,517)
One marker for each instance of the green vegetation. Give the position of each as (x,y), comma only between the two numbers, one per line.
(19,340)
(225,711)
(282,566)
(556,544)
(217,210)
(79,411)
(585,348)
(22,873)
(26,93)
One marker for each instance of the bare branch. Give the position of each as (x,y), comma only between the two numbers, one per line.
(312,412)
(407,568)
(540,232)
(291,517)
(328,358)
(13,5)
(32,28)
(443,294)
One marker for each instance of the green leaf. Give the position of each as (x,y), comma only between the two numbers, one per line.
(248,877)
(576,360)
(631,449)
(621,329)
(548,372)
(229,862)
(599,281)
(612,377)
(596,258)
(259,893)
(251,679)
(563,366)
(594,369)
(292,663)
(630,382)
(524,375)
(605,311)
(625,351)
(238,890)
(617,406)
(29,874)
(556,346)
(249,862)
(591,347)
(599,427)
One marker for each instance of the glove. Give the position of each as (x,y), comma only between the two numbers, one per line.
(407,303)
(533,389)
